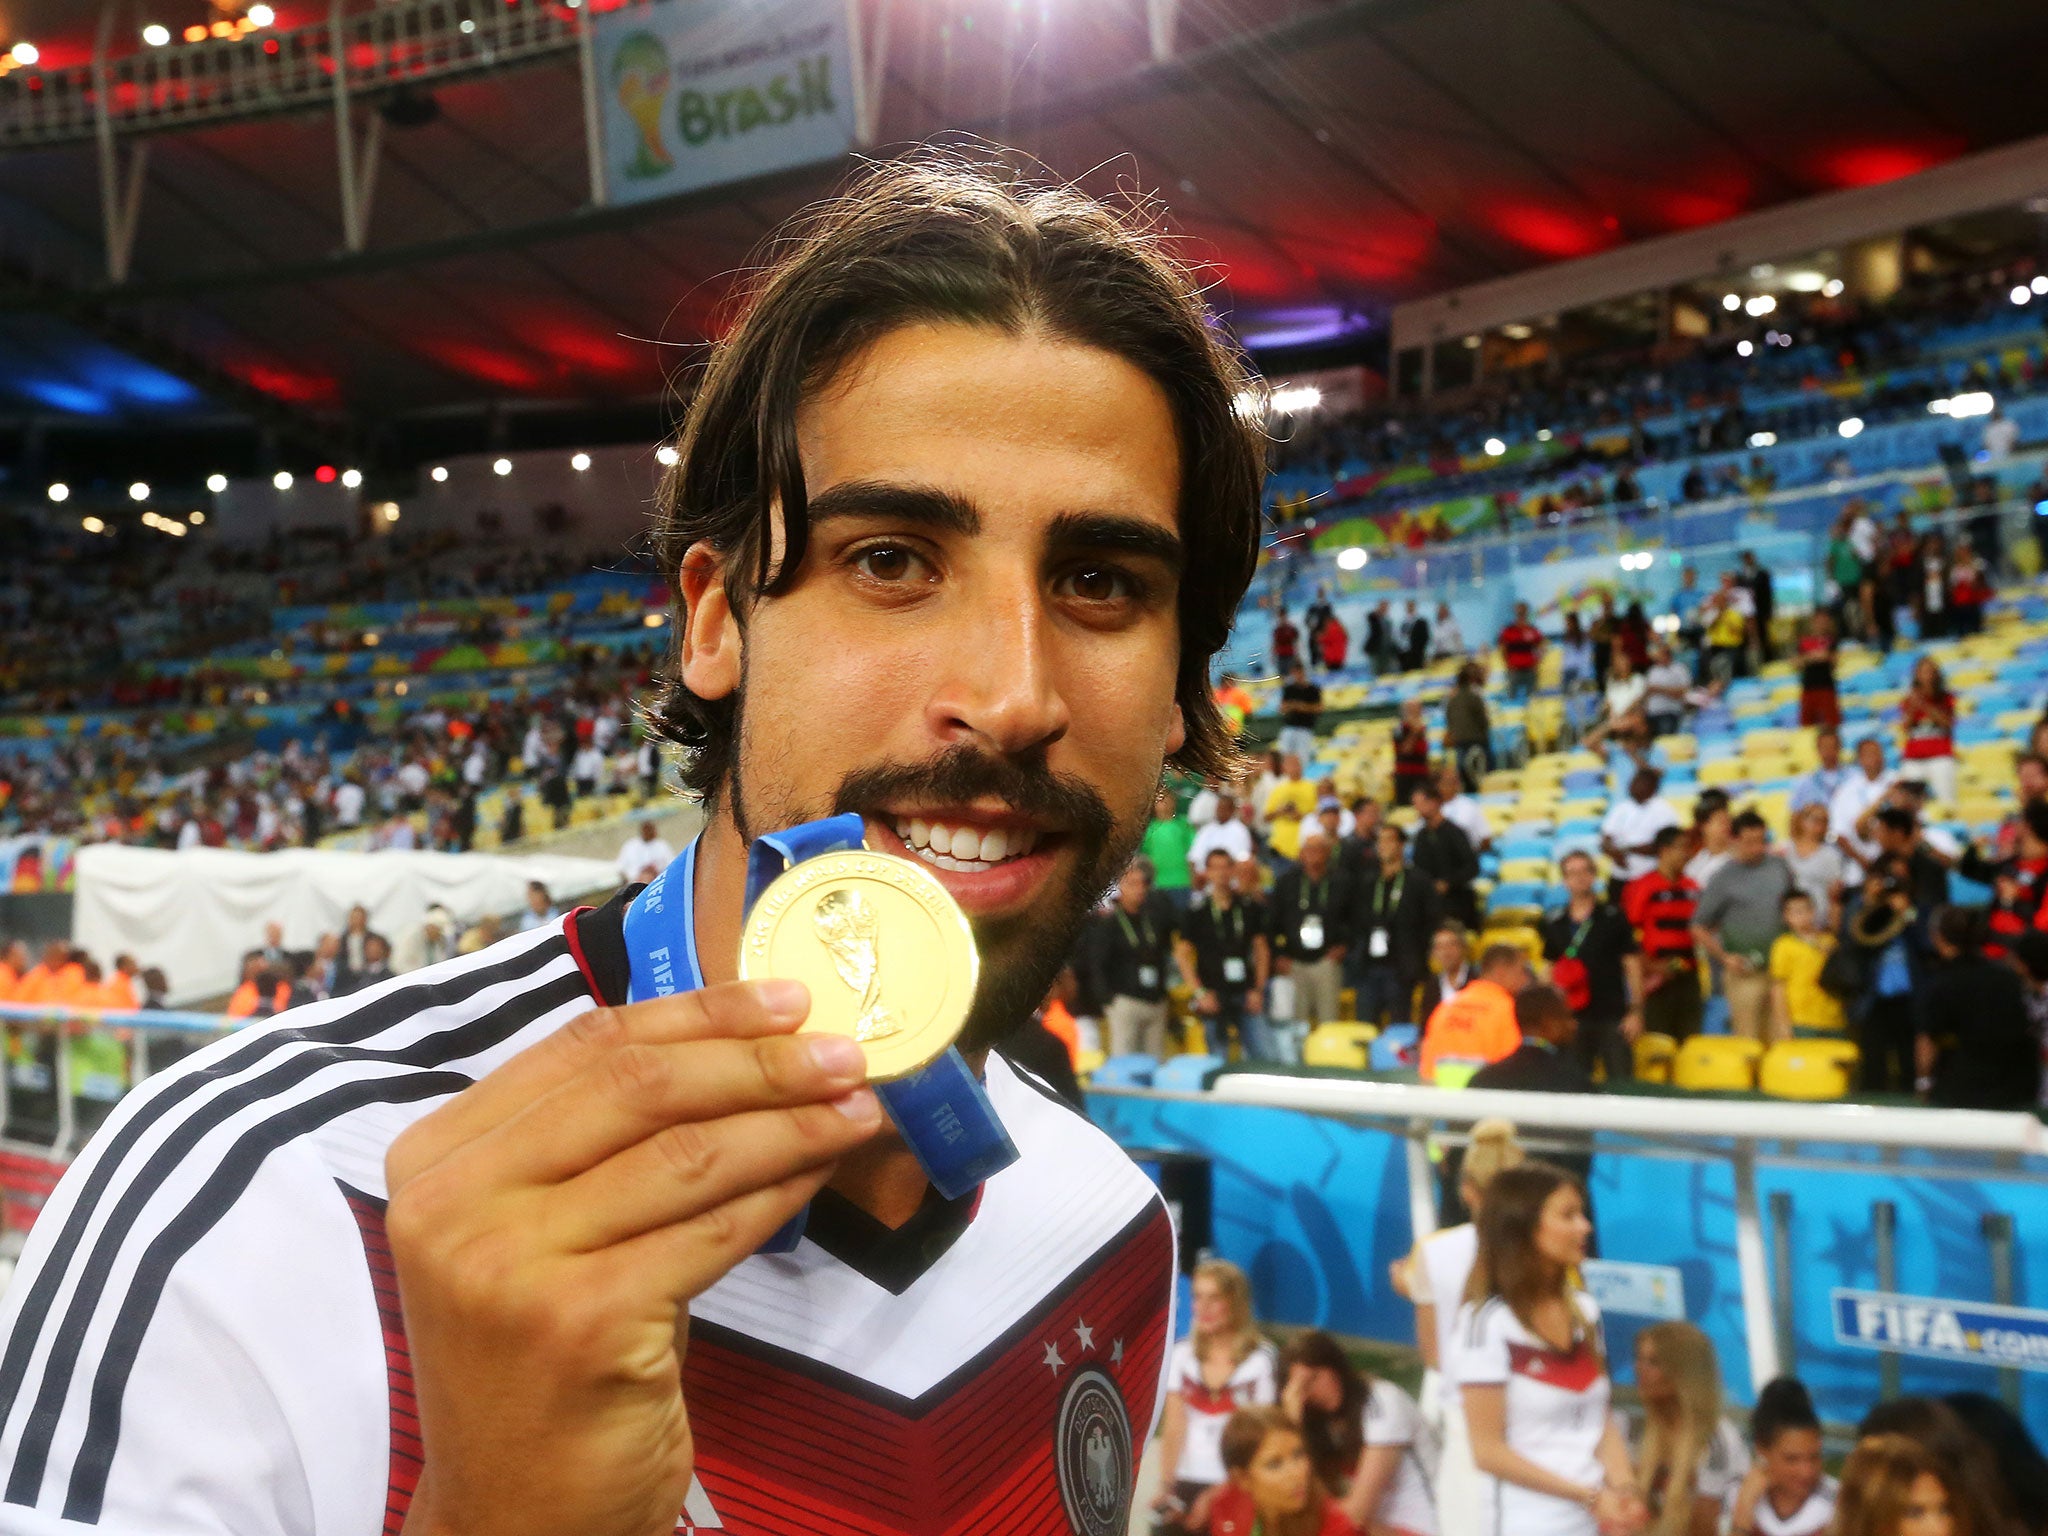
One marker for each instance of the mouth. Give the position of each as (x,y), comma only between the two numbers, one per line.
(990,860)
(964,843)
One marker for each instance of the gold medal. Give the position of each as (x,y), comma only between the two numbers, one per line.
(886,952)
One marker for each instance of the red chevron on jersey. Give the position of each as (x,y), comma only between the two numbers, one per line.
(1572,1370)
(786,1446)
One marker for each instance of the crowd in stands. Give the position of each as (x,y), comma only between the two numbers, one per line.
(1515,1428)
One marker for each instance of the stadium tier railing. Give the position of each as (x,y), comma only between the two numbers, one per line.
(1951,1143)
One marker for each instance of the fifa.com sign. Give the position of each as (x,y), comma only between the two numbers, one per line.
(695,93)
(1972,1332)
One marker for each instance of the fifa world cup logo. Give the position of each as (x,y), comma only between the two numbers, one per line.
(640,76)
(847,927)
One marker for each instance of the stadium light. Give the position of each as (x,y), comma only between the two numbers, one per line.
(156,34)
(1351,559)
(467,26)
(1763,439)
(1975,403)
(352,478)
(1249,404)
(666,455)
(25,54)
(282,479)
(92,525)
(1293,402)
(196,33)
(139,491)
(197,517)
(1731,302)
(2021,293)
(655,620)
(1543,434)
(1744,348)
(1805,282)
(1496,447)
(171,526)
(1762,304)
(2039,285)
(1832,288)
(260,15)
(60,492)
(439,473)
(502,467)
(1850,426)
(390,511)
(579,462)
(216,483)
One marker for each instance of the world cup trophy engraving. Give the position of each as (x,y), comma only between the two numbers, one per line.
(847,927)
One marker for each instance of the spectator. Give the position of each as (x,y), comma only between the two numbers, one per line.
(1786,1491)
(1289,805)
(1389,929)
(1468,728)
(1311,911)
(355,939)
(644,855)
(1591,951)
(1798,957)
(1818,868)
(1364,1435)
(1929,593)
(2021,1467)
(1443,855)
(1478,1025)
(1818,785)
(1272,1488)
(14,964)
(1666,685)
(1977,1048)
(1622,715)
(1379,641)
(1729,615)
(1528,1360)
(1755,579)
(1449,640)
(1130,953)
(1225,832)
(1411,752)
(1628,834)
(435,942)
(1521,645)
(1819,704)
(1324,1395)
(1741,912)
(1463,810)
(1859,793)
(261,992)
(1223,1365)
(1450,967)
(1169,841)
(1928,714)
(1301,708)
(1225,960)
(1286,644)
(1892,1487)
(1575,672)
(483,933)
(540,908)
(1980,1501)
(272,948)
(376,965)
(1969,589)
(1689,1458)
(1332,641)
(1660,907)
(1887,955)
(1713,836)
(1414,639)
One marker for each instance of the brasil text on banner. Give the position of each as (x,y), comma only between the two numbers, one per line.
(1978,1333)
(695,93)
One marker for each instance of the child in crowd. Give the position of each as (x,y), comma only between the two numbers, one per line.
(1221,1366)
(1786,1493)
(1272,1489)
(1818,702)
(1798,955)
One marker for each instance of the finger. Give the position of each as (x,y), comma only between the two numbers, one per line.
(682,1171)
(638,1091)
(733,1010)
(694,1255)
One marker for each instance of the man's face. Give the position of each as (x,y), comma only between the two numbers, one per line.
(982,636)
(1315,856)
(1830,749)
(1217,872)
(1870,756)
(1447,953)
(2033,781)
(1290,767)
(1578,875)
(1750,844)
(1393,848)
(1642,787)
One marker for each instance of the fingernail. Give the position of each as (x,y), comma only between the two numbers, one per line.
(785,1001)
(860,1106)
(838,1056)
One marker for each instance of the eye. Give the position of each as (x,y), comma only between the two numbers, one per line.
(887,562)
(1099,584)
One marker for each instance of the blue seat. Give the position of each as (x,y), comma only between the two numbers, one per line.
(1181,1074)
(1525,848)
(1579,826)
(1397,1048)
(1133,1071)
(1516,893)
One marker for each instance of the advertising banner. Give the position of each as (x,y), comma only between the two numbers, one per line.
(1976,1332)
(1636,1290)
(695,93)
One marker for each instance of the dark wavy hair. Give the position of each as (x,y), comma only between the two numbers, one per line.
(942,238)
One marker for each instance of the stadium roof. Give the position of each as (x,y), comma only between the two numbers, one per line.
(1330,159)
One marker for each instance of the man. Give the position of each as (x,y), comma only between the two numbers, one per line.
(2031,787)
(1666,685)
(1898,834)
(1854,798)
(1286,644)
(1660,906)
(540,908)
(1549,1060)
(1226,832)
(1168,842)
(1818,786)
(644,855)
(1224,959)
(1444,856)
(1379,640)
(1478,1025)
(1521,644)
(54,979)
(1755,579)
(1628,833)
(1289,805)
(433,943)
(355,937)
(1332,641)
(1591,951)
(1306,917)
(1389,929)
(1301,708)
(962,511)
(1450,967)
(1414,639)
(1468,730)
(1740,914)
(1319,613)
(272,948)
(1730,617)
(376,967)
(1462,809)
(1130,949)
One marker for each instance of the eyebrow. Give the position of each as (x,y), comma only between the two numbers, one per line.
(1115,531)
(944,512)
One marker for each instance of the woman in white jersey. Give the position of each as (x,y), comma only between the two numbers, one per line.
(1689,1458)
(1786,1492)
(1221,1366)
(1434,1278)
(1531,1372)
(1364,1435)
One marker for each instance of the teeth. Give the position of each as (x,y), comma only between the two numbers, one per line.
(966,843)
(941,838)
(994,845)
(964,848)
(920,832)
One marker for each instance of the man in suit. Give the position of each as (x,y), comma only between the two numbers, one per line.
(1389,933)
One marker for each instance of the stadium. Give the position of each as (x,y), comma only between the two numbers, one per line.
(1442,605)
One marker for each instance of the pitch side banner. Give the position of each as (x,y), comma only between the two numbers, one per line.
(1974,1332)
(693,93)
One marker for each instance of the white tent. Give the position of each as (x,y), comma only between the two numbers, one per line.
(196,912)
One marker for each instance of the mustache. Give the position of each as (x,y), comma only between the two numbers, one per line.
(961,774)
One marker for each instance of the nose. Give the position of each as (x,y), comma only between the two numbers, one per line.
(998,682)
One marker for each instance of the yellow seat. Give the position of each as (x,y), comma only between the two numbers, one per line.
(1521,935)
(1724,771)
(1716,1061)
(1654,1053)
(1339,1045)
(1502,781)
(1808,1069)
(1515,871)
(1087,1061)
(1681,747)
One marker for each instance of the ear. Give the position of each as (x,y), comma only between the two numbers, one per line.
(1176,731)
(710,640)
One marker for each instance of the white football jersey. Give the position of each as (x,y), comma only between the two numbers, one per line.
(204,1335)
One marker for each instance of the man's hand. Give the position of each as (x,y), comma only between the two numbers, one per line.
(551,1224)
(1632,1025)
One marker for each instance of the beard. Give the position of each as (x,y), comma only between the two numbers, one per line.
(1022,952)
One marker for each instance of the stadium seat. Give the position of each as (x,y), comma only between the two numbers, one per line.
(1186,1074)
(1808,1069)
(1653,1054)
(1523,936)
(1085,1063)
(1133,1071)
(1396,1048)
(1707,1062)
(1339,1045)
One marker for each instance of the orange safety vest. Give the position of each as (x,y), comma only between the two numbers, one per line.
(1477,1026)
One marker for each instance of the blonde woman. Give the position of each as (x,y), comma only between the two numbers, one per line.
(1221,1366)
(1434,1277)
(1531,1370)
(1689,1458)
